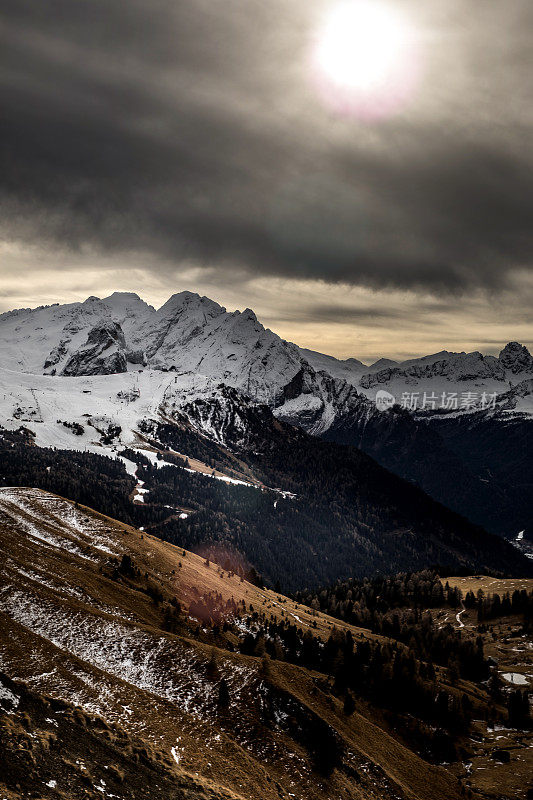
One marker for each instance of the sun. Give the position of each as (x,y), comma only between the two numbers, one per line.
(363,55)
(361,44)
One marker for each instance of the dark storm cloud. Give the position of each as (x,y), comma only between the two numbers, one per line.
(190,130)
(339,313)
(370,314)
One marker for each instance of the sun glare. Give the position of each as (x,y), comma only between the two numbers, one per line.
(364,57)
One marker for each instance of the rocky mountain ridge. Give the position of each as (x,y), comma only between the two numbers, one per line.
(180,354)
(190,333)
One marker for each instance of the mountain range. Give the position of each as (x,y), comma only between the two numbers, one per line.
(194,334)
(105,375)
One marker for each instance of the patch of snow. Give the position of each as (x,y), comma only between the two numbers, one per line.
(7,695)
(175,751)
(516,678)
(130,654)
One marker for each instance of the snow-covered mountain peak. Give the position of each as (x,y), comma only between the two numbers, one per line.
(248,314)
(189,300)
(246,325)
(382,363)
(442,355)
(123,296)
(127,302)
(448,368)
(192,334)
(349,370)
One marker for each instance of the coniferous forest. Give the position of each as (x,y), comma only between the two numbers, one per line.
(345,516)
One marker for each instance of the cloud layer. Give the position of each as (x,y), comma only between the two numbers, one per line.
(191,132)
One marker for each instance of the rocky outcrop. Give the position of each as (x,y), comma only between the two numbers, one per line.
(314,400)
(509,400)
(136,357)
(103,353)
(516,358)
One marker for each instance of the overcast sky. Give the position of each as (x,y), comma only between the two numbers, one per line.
(164,145)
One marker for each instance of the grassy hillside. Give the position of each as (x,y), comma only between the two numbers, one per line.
(114,636)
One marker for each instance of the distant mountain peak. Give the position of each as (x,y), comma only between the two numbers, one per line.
(249,314)
(186,299)
(383,363)
(516,357)
(130,295)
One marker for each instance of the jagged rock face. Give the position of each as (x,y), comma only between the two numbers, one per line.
(516,358)
(313,400)
(56,355)
(103,353)
(105,334)
(136,357)
(227,417)
(508,400)
(193,334)
(87,364)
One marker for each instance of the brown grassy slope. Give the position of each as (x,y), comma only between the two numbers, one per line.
(50,748)
(74,631)
(489,585)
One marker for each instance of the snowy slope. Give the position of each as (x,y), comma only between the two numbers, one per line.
(48,353)
(43,339)
(97,403)
(349,369)
(189,333)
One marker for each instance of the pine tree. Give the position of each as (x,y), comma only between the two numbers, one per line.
(223,694)
(349,704)
(212,667)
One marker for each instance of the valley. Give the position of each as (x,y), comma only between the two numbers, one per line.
(74,632)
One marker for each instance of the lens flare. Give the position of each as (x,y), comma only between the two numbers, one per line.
(365,59)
